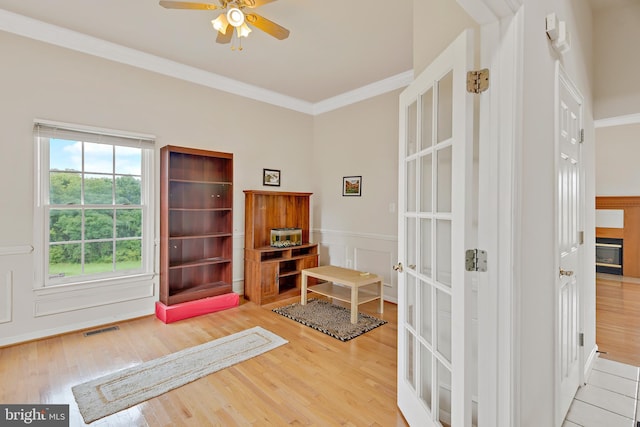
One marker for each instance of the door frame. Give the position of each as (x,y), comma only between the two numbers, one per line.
(500,140)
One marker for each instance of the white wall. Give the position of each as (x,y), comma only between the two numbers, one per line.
(358,232)
(616,84)
(618,160)
(537,241)
(48,82)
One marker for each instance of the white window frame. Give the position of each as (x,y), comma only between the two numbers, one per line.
(41,196)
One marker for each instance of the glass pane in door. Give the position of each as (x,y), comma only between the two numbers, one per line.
(410,249)
(426,115)
(443,252)
(445,107)
(412,129)
(444,394)
(426,264)
(426,180)
(445,175)
(411,186)
(410,287)
(426,329)
(410,372)
(443,315)
(426,378)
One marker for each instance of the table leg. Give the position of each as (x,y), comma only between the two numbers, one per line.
(381,309)
(303,291)
(354,304)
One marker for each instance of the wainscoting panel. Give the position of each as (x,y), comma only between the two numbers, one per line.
(374,253)
(56,300)
(6,298)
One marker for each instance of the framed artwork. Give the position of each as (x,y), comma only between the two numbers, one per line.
(271,177)
(352,186)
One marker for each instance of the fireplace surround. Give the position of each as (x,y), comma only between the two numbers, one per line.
(609,255)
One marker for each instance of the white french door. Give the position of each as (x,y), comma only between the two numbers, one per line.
(435,369)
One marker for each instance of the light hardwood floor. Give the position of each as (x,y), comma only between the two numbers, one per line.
(618,318)
(314,380)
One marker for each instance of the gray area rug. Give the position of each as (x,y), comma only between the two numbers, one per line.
(330,319)
(128,387)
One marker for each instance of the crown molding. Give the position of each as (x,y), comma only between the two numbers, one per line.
(365,92)
(53,34)
(629,119)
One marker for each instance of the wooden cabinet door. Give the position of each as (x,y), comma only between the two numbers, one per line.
(269,280)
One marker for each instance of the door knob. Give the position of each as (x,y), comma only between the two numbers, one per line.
(398,267)
(566,272)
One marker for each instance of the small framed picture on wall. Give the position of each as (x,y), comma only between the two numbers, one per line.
(352,186)
(271,177)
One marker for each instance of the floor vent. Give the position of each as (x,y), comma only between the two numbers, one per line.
(99,331)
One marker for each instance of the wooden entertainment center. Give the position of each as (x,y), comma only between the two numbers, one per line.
(274,273)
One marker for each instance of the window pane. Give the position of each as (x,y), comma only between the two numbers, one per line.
(410,289)
(98,257)
(128,190)
(128,161)
(65,260)
(444,394)
(443,307)
(98,224)
(98,158)
(65,225)
(426,310)
(425,377)
(443,252)
(128,255)
(65,155)
(64,188)
(426,267)
(129,223)
(98,190)
(410,360)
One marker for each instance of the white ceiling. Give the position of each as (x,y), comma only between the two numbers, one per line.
(334,46)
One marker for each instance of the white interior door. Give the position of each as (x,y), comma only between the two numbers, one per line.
(569,211)
(434,301)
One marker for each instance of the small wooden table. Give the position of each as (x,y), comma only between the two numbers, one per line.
(357,281)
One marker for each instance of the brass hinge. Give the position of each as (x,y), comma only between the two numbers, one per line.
(475,260)
(478,80)
(581,339)
(581,237)
(581,136)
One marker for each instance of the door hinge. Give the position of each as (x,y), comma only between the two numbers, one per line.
(581,136)
(478,80)
(476,260)
(581,237)
(581,339)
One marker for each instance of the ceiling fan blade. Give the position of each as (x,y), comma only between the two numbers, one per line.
(225,38)
(255,3)
(267,26)
(187,5)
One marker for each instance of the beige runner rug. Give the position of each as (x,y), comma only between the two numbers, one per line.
(121,390)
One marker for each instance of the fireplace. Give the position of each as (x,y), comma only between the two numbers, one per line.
(609,256)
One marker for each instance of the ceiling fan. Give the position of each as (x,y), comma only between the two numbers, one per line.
(236,15)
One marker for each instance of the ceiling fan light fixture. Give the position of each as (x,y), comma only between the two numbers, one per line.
(235,17)
(220,23)
(243,30)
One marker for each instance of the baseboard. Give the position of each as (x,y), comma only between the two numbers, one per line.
(590,362)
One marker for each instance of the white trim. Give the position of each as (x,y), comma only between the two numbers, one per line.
(6,307)
(93,129)
(499,224)
(358,235)
(365,92)
(16,250)
(74,327)
(53,34)
(629,119)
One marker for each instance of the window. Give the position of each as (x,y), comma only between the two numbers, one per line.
(94,203)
